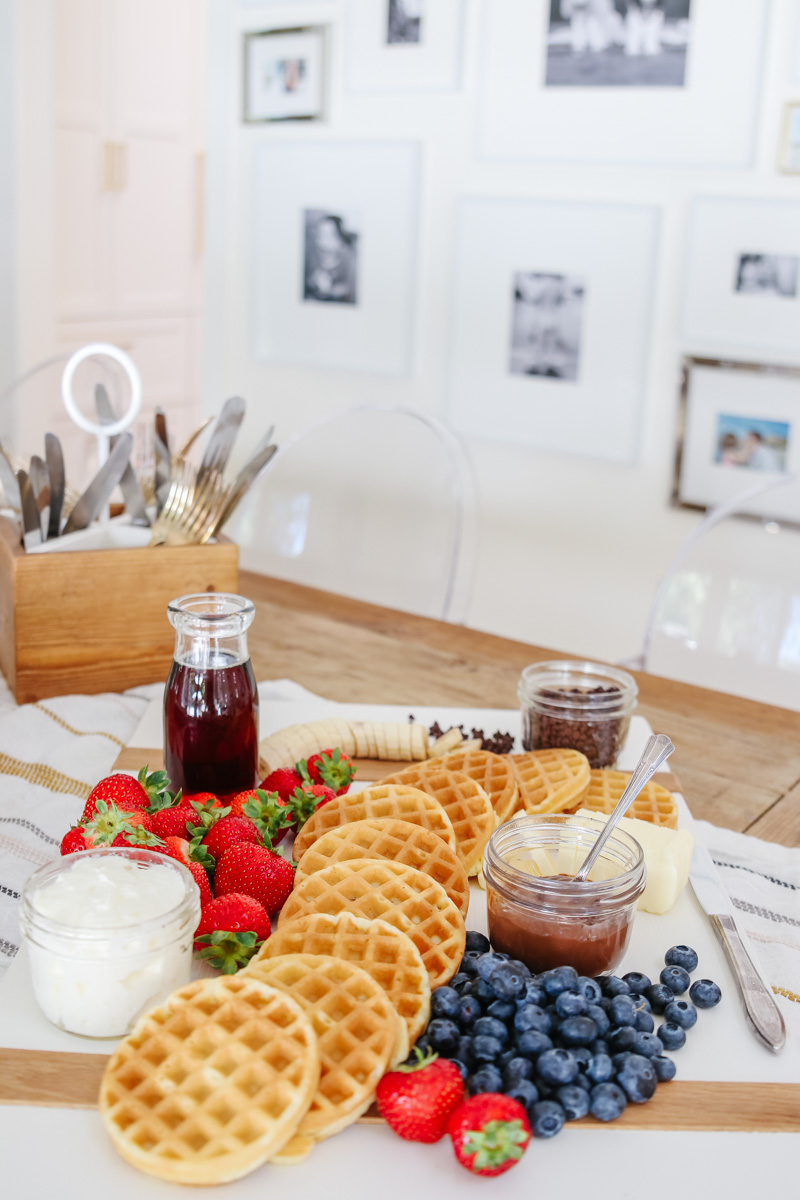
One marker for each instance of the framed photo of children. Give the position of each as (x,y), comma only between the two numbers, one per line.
(739,424)
(284,75)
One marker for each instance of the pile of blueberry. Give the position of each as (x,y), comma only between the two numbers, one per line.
(563,1044)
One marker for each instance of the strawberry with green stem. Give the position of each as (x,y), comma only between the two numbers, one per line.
(417,1099)
(231,930)
(271,814)
(331,768)
(489,1133)
(128,793)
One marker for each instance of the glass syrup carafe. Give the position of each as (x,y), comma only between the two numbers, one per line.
(211,699)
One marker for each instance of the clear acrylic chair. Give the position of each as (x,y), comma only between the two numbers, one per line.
(378,503)
(726,614)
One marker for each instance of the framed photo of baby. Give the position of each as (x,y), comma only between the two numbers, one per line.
(618,43)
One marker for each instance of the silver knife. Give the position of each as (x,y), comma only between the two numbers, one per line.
(40,481)
(129,484)
(759,1002)
(247,476)
(222,438)
(11,488)
(30,513)
(54,457)
(99,490)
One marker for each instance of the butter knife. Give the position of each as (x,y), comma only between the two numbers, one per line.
(99,490)
(129,484)
(40,481)
(11,488)
(246,477)
(222,437)
(30,513)
(760,1007)
(54,457)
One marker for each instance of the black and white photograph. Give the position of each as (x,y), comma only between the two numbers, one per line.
(330,260)
(547,314)
(767,275)
(284,75)
(618,43)
(405,22)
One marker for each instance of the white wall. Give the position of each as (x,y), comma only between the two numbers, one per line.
(570,549)
(6,194)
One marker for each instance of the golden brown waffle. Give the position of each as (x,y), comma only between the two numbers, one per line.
(359,1034)
(654,803)
(401,896)
(465,802)
(551,780)
(397,841)
(383,950)
(386,800)
(294,1152)
(493,772)
(211,1083)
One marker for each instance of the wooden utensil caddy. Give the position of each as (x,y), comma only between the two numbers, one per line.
(96,620)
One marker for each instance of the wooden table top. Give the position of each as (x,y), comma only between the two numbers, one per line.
(738,761)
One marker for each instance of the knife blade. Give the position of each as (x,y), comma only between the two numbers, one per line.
(99,490)
(40,481)
(760,1006)
(30,513)
(54,457)
(129,484)
(11,488)
(222,438)
(247,476)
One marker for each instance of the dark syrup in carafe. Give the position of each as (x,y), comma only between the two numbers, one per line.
(211,728)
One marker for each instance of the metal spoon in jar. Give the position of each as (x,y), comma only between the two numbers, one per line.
(657,750)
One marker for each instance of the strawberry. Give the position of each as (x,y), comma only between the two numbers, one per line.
(270,813)
(201,879)
(255,871)
(202,799)
(126,792)
(231,929)
(283,781)
(305,801)
(190,855)
(489,1133)
(74,840)
(229,832)
(174,821)
(110,825)
(331,767)
(418,1098)
(237,800)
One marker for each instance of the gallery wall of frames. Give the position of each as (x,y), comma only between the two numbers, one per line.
(570,227)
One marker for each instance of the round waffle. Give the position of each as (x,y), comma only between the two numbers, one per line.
(397,841)
(397,801)
(383,950)
(654,803)
(551,780)
(492,771)
(465,802)
(359,1033)
(401,896)
(211,1083)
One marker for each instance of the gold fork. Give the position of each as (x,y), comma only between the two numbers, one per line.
(191,512)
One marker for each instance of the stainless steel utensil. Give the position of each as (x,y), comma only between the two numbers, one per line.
(129,484)
(11,488)
(192,438)
(161,426)
(40,481)
(54,457)
(163,475)
(763,1014)
(99,490)
(248,475)
(30,513)
(222,438)
(657,750)
(192,509)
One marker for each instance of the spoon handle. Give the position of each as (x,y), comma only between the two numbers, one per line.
(657,750)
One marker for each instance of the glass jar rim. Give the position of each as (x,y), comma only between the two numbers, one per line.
(213,614)
(556,675)
(149,858)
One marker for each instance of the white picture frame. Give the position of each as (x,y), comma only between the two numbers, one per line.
(334,268)
(601,259)
(519,117)
(284,76)
(789,151)
(430,61)
(732,402)
(743,275)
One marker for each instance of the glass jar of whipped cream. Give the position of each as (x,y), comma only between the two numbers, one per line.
(109,933)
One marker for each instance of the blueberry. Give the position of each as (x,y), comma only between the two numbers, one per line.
(487,1079)
(676,979)
(532,1017)
(505,1058)
(621,1039)
(644,1023)
(682,1013)
(445,1002)
(647,1045)
(681,956)
(705,993)
(607,1102)
(487,964)
(481,991)
(600,1068)
(490,1027)
(506,981)
(637,982)
(642,1004)
(582,1056)
(461,1068)
(464,1051)
(516,1070)
(672,1035)
(443,1035)
(502,1010)
(526,1092)
(623,1011)
(599,1046)
(532,1043)
(589,989)
(558,980)
(637,1078)
(600,1018)
(664,1068)
(524,970)
(477,941)
(486,1049)
(557,1067)
(659,996)
(574,1100)
(469,1010)
(570,1004)
(460,982)
(469,964)
(619,1060)
(534,993)
(578,1031)
(605,1003)
(546,1118)
(612,986)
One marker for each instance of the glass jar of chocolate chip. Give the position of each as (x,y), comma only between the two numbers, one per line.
(578,706)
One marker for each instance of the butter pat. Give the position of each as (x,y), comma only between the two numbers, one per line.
(667,856)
